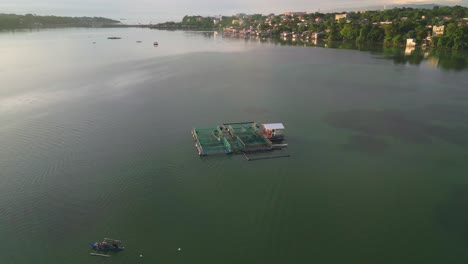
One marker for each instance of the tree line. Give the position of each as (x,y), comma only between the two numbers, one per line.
(391,26)
(12,21)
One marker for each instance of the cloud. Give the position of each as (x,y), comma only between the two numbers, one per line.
(406,2)
(163,10)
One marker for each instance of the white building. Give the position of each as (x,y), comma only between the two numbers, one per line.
(341,16)
(411,42)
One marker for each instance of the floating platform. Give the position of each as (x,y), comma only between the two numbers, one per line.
(232,138)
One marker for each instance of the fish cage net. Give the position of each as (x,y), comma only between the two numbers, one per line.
(250,137)
(255,142)
(230,138)
(210,141)
(240,129)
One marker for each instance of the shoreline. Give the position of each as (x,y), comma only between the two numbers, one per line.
(276,38)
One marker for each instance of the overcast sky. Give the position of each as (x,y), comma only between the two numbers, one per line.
(163,10)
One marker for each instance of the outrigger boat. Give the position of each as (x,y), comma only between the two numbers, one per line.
(106,247)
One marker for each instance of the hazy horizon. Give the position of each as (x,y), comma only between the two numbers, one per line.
(145,11)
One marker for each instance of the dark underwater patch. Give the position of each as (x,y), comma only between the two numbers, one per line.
(452,215)
(412,128)
(366,144)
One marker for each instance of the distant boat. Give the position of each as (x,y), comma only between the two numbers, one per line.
(155,43)
(104,248)
(114,38)
(138,41)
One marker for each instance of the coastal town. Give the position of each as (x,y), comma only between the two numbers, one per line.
(440,27)
(444,27)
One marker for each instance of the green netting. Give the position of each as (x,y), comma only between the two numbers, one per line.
(211,141)
(249,136)
(242,129)
(237,138)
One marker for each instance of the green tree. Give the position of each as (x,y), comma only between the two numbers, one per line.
(333,31)
(458,12)
(350,32)
(398,39)
(376,34)
(364,32)
(390,33)
(421,33)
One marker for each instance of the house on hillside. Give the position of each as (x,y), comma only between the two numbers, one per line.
(438,30)
(317,35)
(341,16)
(411,42)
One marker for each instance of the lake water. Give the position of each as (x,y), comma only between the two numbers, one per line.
(95,142)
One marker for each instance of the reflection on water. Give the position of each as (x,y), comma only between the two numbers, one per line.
(437,58)
(409,50)
(434,58)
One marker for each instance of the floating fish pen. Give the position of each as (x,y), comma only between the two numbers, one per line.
(209,141)
(233,138)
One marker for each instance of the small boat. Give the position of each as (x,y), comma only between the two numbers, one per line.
(114,38)
(138,41)
(155,43)
(106,247)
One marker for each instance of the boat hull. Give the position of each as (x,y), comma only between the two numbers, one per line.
(96,246)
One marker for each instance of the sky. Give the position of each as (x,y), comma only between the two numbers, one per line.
(155,11)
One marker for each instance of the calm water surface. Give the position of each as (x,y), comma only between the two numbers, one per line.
(95,142)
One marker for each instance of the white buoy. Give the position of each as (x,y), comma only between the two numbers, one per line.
(179,249)
(141,256)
